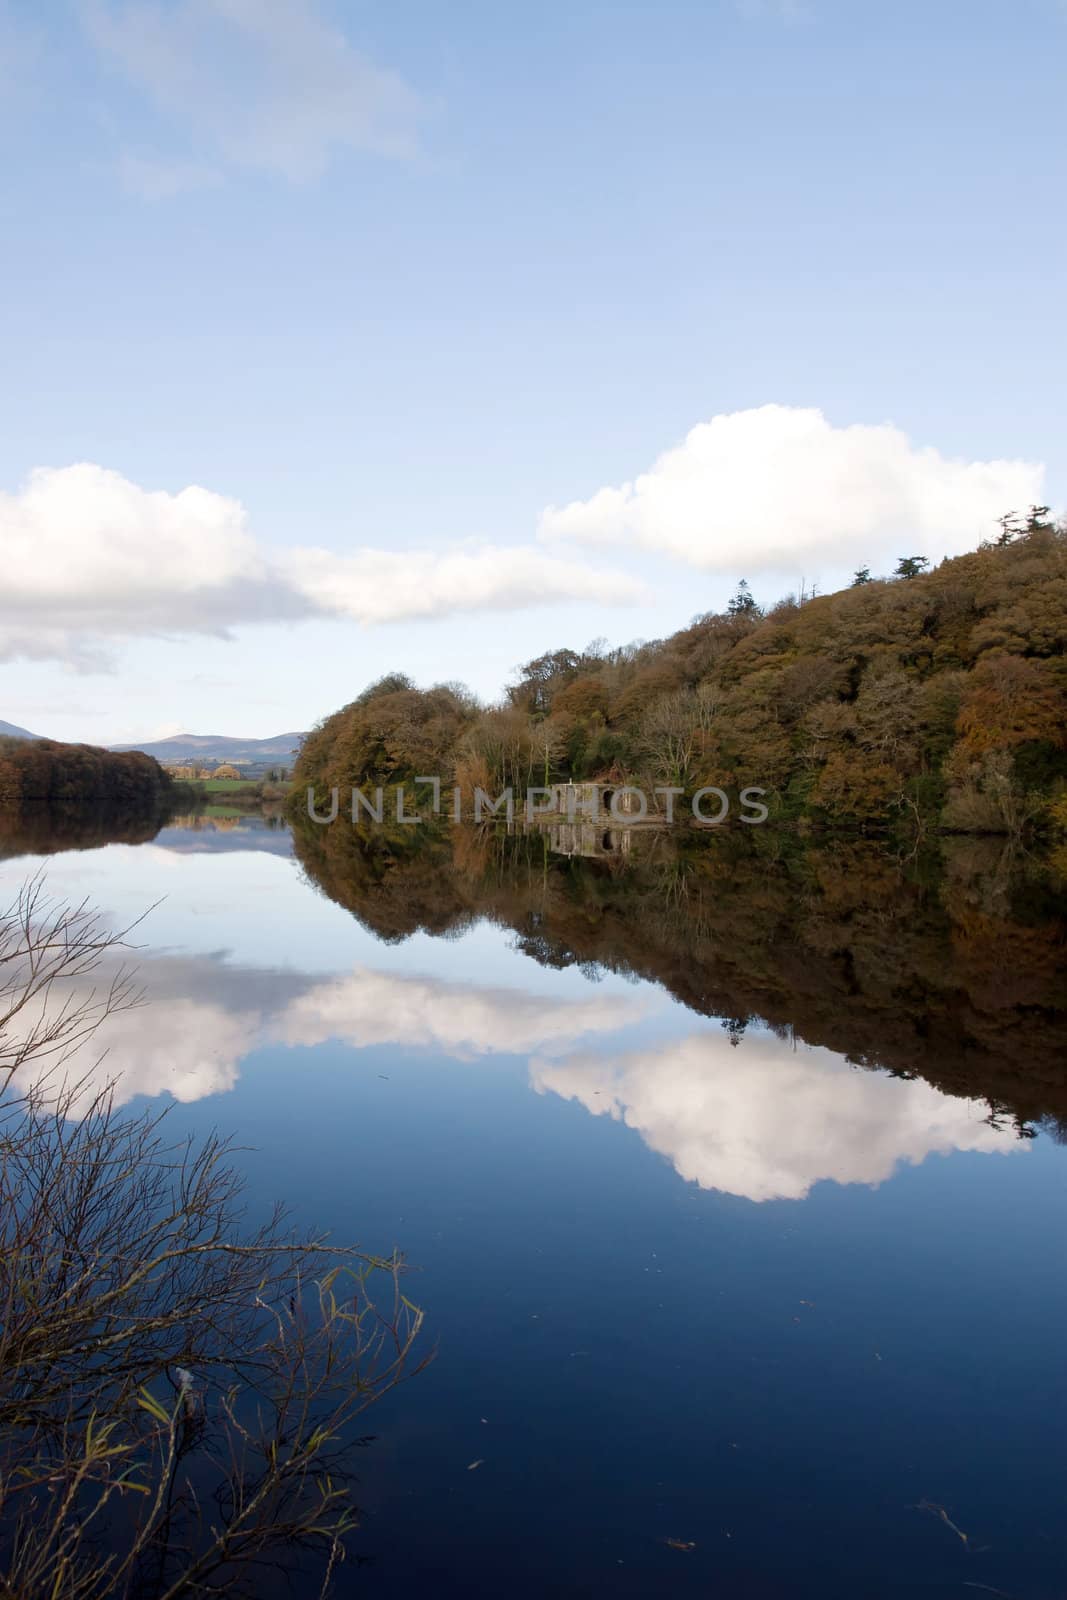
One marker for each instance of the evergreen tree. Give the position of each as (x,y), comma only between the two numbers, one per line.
(1009,528)
(743,604)
(911,567)
(861,575)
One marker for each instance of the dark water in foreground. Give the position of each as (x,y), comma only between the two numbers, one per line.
(718,1312)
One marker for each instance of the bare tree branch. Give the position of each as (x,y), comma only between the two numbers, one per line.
(177,1390)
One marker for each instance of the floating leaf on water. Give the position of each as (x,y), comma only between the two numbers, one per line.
(942,1515)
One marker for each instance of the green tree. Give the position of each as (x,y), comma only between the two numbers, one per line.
(743,604)
(911,567)
(1038,519)
(861,575)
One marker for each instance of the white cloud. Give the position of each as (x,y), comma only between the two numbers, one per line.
(86,532)
(778,486)
(374,586)
(265,84)
(766,1123)
(91,558)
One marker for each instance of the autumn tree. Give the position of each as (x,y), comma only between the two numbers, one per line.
(670,736)
(547,739)
(392,733)
(1010,701)
(540,679)
(905,679)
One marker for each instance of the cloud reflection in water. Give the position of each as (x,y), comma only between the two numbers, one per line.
(766,1122)
(762,1122)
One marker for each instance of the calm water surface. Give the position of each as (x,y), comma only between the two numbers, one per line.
(689,1281)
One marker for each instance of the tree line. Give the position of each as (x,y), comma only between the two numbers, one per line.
(43,775)
(938,694)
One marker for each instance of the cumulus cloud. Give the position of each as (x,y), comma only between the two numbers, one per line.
(91,558)
(777,486)
(387,585)
(266,84)
(765,1123)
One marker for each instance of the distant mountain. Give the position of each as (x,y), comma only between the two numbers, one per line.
(194,747)
(8,730)
(223,836)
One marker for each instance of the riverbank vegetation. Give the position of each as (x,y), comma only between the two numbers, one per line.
(178,1385)
(47,784)
(45,777)
(935,698)
(238,791)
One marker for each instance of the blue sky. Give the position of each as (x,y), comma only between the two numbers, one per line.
(399,279)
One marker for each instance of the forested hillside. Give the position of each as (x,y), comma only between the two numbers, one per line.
(938,695)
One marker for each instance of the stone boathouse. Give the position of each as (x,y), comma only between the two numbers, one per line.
(597,801)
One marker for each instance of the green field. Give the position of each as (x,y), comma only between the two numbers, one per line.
(227,785)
